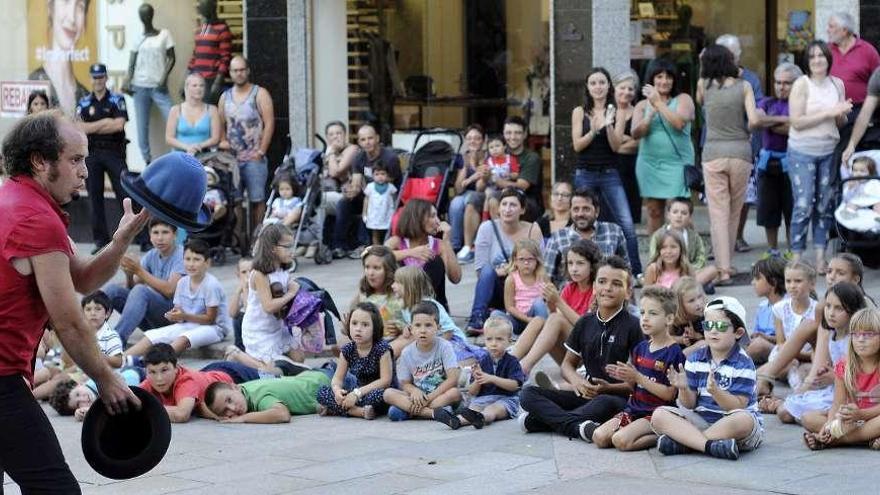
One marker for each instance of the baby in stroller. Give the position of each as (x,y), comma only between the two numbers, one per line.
(286,208)
(215,198)
(859,209)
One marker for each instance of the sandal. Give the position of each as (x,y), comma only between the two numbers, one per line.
(769,404)
(813,442)
(369,412)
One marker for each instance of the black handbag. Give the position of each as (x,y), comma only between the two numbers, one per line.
(693,175)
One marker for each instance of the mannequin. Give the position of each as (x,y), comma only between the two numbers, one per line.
(213,50)
(150,64)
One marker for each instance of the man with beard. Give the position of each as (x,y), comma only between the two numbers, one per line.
(247,110)
(40,274)
(584,212)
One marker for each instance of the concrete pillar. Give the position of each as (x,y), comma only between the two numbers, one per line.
(299,70)
(584,34)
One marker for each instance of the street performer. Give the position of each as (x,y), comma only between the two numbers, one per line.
(40,273)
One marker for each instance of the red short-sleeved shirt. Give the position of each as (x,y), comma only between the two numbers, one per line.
(855,67)
(32,224)
(868,385)
(578,300)
(189,383)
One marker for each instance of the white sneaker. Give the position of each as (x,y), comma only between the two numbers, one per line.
(521,420)
(463,252)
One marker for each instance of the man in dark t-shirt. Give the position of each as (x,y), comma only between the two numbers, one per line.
(598,339)
(352,201)
(529,179)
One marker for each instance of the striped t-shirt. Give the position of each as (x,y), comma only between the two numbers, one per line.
(652,364)
(108,341)
(212,51)
(735,374)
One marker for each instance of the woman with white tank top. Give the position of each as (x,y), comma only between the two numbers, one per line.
(817,107)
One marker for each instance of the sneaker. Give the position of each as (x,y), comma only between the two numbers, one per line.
(339,253)
(355,254)
(397,414)
(463,253)
(299,251)
(723,449)
(475,418)
(742,246)
(771,253)
(441,415)
(586,429)
(467,260)
(311,250)
(544,381)
(523,421)
(668,446)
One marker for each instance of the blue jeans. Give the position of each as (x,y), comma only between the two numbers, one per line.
(539,308)
(143,102)
(489,291)
(253,179)
(141,306)
(813,198)
(607,184)
(456,213)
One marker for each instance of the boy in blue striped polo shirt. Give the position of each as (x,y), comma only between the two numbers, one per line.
(716,391)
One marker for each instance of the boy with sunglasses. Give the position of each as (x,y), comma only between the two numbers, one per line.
(716,391)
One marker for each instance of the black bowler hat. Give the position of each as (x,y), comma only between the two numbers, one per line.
(172,188)
(98,70)
(125,446)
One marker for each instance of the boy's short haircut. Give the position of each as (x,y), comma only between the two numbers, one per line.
(426,308)
(100,298)
(495,137)
(685,201)
(213,389)
(515,120)
(60,398)
(158,221)
(198,246)
(615,262)
(380,166)
(160,353)
(499,322)
(773,271)
(667,299)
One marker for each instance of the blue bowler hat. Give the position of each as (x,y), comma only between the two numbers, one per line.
(172,188)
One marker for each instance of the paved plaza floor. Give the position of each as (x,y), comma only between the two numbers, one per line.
(337,456)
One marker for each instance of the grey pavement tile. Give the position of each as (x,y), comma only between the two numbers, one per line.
(527,477)
(738,474)
(377,484)
(577,459)
(267,484)
(860,481)
(634,484)
(347,469)
(246,467)
(470,465)
(153,485)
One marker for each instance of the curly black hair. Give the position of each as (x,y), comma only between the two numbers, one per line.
(60,398)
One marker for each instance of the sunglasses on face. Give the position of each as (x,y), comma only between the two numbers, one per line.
(720,326)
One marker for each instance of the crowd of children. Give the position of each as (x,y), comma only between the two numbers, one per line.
(673,369)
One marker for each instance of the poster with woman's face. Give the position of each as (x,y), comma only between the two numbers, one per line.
(62,43)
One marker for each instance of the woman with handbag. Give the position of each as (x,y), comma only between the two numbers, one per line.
(727,153)
(817,107)
(595,142)
(662,123)
(492,250)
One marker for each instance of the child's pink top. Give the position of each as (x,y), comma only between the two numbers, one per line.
(524,295)
(868,385)
(668,278)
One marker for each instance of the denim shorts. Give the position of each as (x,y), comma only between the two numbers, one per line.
(253,179)
(745,444)
(510,403)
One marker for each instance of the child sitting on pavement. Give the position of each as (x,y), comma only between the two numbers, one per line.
(370,359)
(267,401)
(495,380)
(428,372)
(718,412)
(646,371)
(199,314)
(182,390)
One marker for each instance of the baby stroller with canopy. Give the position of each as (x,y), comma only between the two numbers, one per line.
(857,224)
(221,236)
(305,166)
(427,176)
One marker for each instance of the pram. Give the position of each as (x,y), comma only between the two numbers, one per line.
(305,166)
(427,176)
(221,234)
(862,242)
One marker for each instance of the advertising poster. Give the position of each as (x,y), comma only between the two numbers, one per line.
(62,43)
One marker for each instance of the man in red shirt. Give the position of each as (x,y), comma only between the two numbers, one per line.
(44,155)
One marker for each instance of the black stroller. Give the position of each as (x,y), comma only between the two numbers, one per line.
(221,235)
(427,176)
(305,165)
(863,242)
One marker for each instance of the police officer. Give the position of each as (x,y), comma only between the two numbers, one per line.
(103,117)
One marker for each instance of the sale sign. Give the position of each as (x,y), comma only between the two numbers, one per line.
(14,96)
